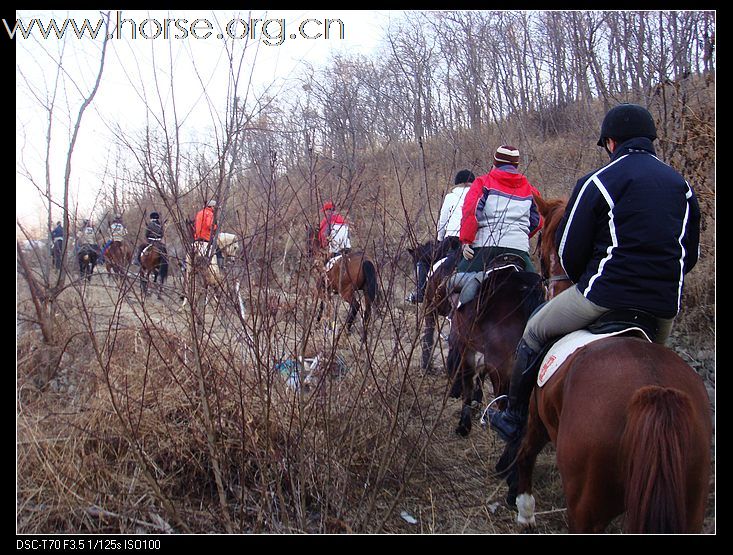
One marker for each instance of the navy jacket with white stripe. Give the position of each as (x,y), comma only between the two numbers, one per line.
(631,232)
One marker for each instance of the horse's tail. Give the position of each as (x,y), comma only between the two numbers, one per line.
(370,273)
(656,442)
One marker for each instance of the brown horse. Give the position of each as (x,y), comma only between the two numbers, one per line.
(485,333)
(435,301)
(632,428)
(346,274)
(117,258)
(153,260)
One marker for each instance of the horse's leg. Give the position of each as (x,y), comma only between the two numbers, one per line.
(349,296)
(520,477)
(366,315)
(160,286)
(143,284)
(428,338)
(592,493)
(453,369)
(468,371)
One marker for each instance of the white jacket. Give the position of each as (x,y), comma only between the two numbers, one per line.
(449,223)
(339,238)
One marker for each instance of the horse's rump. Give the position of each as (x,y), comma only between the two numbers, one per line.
(631,424)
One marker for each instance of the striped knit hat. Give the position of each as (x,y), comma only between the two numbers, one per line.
(506,154)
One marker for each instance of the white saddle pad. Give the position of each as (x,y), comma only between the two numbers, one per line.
(332,261)
(566,346)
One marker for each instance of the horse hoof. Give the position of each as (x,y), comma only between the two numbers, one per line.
(462,431)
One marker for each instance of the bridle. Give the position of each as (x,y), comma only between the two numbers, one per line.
(549,281)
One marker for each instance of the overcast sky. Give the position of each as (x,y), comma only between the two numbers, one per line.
(278,45)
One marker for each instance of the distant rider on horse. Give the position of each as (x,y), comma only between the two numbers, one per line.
(449,228)
(333,233)
(87,238)
(153,236)
(117,232)
(57,244)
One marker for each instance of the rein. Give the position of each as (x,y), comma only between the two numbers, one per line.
(553,279)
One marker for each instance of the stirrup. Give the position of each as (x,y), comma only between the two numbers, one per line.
(507,424)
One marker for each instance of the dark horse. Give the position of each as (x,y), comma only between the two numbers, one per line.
(347,274)
(153,260)
(632,428)
(87,258)
(485,333)
(117,258)
(435,300)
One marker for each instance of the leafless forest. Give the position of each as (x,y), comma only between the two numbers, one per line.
(141,415)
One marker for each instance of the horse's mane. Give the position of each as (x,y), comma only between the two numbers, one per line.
(423,252)
(552,211)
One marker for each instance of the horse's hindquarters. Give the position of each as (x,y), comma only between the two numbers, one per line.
(592,402)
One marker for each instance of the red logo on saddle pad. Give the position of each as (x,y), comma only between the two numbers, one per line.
(546,365)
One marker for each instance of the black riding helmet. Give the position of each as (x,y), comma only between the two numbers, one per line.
(626,121)
(464,176)
(154,216)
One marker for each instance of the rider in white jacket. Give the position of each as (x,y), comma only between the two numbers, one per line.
(449,228)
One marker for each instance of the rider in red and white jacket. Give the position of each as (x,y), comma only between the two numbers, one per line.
(499,214)
(333,233)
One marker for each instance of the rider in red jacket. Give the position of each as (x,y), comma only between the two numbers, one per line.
(333,233)
(203,224)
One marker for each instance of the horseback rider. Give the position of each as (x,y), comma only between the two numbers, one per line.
(333,232)
(204,226)
(117,232)
(58,232)
(87,238)
(57,240)
(153,236)
(629,235)
(499,214)
(499,218)
(449,228)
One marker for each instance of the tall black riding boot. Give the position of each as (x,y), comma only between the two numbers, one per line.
(509,424)
(422,279)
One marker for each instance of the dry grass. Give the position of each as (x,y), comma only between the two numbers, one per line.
(138,434)
(142,419)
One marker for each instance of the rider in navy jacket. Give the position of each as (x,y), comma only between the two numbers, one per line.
(629,235)
(610,243)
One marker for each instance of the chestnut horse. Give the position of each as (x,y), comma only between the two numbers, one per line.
(153,260)
(485,333)
(346,274)
(631,424)
(435,300)
(117,258)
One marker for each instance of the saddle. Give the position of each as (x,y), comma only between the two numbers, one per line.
(613,322)
(468,284)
